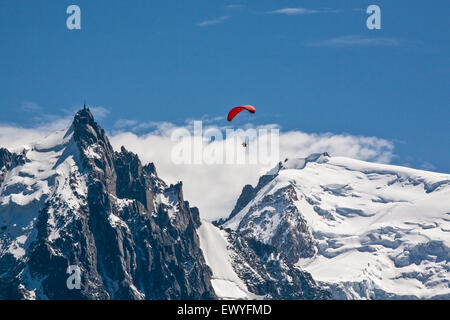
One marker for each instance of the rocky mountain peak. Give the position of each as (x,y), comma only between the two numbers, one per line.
(5,157)
(151,169)
(84,115)
(249,192)
(87,132)
(103,211)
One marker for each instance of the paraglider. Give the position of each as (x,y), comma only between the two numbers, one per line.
(245,143)
(235,111)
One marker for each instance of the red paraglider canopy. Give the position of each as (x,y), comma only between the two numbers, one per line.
(233,112)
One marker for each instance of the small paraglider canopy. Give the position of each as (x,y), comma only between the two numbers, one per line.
(234,112)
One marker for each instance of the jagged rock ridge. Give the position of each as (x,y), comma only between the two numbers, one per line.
(74,201)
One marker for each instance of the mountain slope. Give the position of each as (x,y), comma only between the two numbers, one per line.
(72,200)
(248,269)
(365,230)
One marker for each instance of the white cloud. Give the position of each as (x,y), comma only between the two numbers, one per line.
(98,112)
(14,138)
(356,41)
(123,123)
(294,11)
(235,6)
(428,166)
(213,188)
(213,21)
(29,106)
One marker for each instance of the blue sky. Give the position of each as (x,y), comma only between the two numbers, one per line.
(320,70)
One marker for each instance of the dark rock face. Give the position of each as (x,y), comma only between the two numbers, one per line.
(95,149)
(134,181)
(132,236)
(247,195)
(275,220)
(291,237)
(5,158)
(5,163)
(248,192)
(267,273)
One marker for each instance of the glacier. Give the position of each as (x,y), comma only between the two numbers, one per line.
(369,231)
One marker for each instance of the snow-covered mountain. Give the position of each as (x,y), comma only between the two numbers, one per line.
(362,229)
(71,200)
(313,228)
(244,268)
